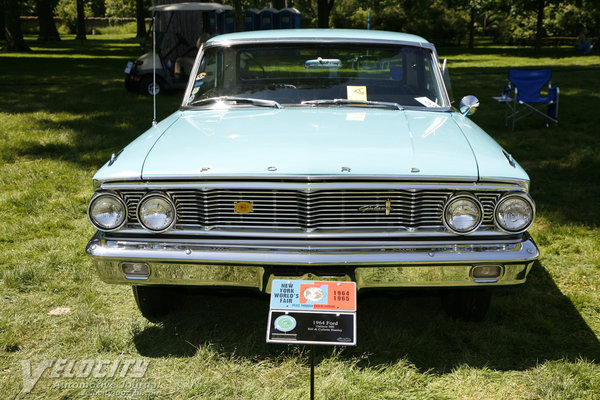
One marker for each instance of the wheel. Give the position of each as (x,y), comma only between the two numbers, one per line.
(147,87)
(467,304)
(129,85)
(155,302)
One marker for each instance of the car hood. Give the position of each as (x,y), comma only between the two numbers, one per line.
(312,141)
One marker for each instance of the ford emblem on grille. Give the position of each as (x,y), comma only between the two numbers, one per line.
(243,207)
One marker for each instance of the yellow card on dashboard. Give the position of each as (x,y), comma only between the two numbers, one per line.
(358,93)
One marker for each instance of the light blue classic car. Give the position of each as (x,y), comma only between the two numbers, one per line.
(319,155)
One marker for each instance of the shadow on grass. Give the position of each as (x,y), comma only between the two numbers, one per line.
(526,325)
(83,121)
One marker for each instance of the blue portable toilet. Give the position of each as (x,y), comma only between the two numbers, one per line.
(212,18)
(226,21)
(288,18)
(267,19)
(250,19)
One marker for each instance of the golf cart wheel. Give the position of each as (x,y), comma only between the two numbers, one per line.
(129,84)
(155,302)
(147,86)
(467,304)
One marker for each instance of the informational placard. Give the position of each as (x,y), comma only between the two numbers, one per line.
(312,312)
(308,327)
(313,295)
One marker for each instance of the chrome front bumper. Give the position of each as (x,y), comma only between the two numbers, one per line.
(254,263)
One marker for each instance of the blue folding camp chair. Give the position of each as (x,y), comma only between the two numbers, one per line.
(522,95)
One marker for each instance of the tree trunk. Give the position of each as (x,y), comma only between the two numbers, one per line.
(12,26)
(45,11)
(80,21)
(2,34)
(540,26)
(239,16)
(472,29)
(139,15)
(323,10)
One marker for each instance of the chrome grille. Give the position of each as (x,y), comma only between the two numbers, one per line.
(308,211)
(488,201)
(132,199)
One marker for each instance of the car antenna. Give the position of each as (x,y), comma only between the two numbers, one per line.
(154,69)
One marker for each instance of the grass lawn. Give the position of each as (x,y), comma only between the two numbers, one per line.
(64,110)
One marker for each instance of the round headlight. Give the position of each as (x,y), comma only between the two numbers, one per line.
(107,212)
(156,213)
(514,213)
(463,214)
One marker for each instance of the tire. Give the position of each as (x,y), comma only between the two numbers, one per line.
(146,85)
(129,84)
(156,302)
(467,304)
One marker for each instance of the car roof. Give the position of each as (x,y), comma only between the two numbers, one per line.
(320,34)
(190,7)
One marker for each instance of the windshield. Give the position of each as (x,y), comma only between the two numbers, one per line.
(303,74)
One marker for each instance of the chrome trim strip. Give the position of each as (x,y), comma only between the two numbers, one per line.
(520,182)
(312,253)
(311,183)
(320,234)
(439,180)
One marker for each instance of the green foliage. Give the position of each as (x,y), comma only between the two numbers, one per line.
(434,21)
(120,8)
(567,20)
(66,10)
(98,8)
(447,22)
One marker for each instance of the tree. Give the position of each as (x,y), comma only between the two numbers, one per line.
(12,26)
(324,8)
(2,35)
(80,21)
(45,13)
(239,18)
(278,4)
(539,29)
(139,16)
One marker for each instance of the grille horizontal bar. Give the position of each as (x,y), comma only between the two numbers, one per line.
(373,210)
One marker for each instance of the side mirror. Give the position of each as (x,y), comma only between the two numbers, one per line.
(468,105)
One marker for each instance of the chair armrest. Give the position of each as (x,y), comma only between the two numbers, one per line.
(553,93)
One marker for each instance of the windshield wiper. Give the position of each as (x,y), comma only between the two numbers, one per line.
(238,100)
(384,104)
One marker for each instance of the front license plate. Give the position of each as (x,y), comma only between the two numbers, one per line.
(128,67)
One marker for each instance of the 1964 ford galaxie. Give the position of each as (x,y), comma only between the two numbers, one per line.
(314,154)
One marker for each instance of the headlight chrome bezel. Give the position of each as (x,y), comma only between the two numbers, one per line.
(96,224)
(162,196)
(506,197)
(457,197)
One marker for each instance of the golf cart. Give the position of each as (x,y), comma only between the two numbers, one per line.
(180,29)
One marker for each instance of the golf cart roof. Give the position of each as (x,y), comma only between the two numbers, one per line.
(190,7)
